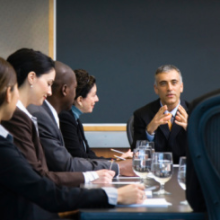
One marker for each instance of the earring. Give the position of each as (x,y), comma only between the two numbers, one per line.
(31,86)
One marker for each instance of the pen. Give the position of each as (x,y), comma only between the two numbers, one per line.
(112,161)
(119,157)
(151,188)
(117,151)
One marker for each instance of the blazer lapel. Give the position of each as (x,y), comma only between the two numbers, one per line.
(80,127)
(164,128)
(176,128)
(47,109)
(50,114)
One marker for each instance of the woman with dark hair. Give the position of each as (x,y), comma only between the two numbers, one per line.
(35,74)
(25,194)
(70,124)
(20,186)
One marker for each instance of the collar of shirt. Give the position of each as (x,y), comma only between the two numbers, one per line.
(22,108)
(33,119)
(76,112)
(54,112)
(173,112)
(3,132)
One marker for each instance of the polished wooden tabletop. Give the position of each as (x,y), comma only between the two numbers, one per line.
(175,211)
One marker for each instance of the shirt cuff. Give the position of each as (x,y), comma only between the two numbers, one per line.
(90,176)
(112,195)
(150,137)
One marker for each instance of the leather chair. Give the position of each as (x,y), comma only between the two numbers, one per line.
(204,148)
(130,130)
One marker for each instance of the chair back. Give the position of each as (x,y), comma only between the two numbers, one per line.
(204,148)
(130,130)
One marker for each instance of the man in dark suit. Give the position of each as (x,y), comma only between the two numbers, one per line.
(164,120)
(58,158)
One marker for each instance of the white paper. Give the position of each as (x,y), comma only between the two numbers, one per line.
(150,203)
(148,193)
(125,182)
(127,177)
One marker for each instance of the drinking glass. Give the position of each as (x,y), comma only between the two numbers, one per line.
(162,169)
(139,143)
(141,162)
(181,176)
(145,144)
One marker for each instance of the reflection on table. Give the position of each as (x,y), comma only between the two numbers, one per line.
(175,211)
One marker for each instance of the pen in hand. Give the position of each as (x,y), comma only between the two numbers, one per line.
(121,158)
(112,161)
(117,151)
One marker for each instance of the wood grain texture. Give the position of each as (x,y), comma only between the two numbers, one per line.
(104,128)
(51,29)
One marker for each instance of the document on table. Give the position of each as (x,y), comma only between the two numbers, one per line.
(150,203)
(127,177)
(124,183)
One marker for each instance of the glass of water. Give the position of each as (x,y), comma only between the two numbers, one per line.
(140,143)
(141,162)
(145,144)
(181,176)
(162,169)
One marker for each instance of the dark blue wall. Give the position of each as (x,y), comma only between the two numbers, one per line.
(122,42)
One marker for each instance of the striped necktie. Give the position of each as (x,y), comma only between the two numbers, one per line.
(170,122)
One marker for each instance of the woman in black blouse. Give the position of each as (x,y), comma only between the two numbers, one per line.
(70,124)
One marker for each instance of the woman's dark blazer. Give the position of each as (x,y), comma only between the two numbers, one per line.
(27,140)
(74,136)
(25,195)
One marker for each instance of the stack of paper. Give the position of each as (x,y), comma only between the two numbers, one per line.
(150,203)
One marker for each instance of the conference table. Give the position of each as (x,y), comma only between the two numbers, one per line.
(173,210)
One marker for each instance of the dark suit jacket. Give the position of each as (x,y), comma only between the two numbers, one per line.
(58,158)
(25,195)
(74,136)
(27,140)
(164,140)
(194,193)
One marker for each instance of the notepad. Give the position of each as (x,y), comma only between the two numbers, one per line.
(148,193)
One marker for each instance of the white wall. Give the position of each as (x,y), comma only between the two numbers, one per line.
(107,139)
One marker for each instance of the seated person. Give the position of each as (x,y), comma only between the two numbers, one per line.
(194,193)
(35,74)
(58,158)
(25,194)
(151,121)
(70,124)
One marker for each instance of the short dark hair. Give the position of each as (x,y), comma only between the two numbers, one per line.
(26,60)
(7,78)
(166,68)
(85,82)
